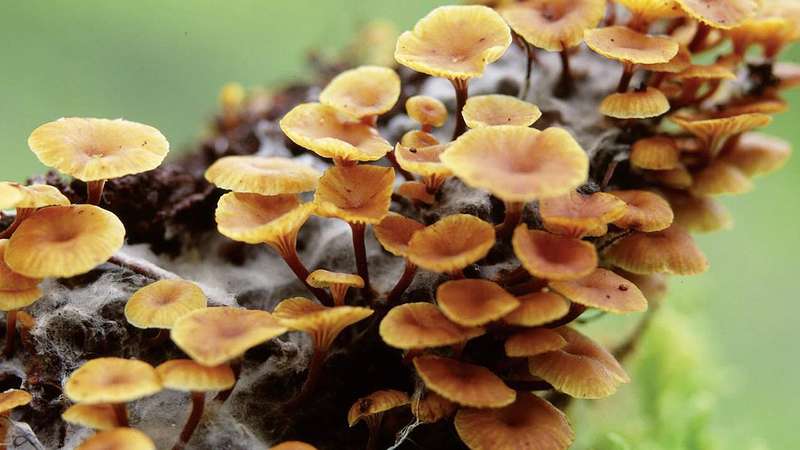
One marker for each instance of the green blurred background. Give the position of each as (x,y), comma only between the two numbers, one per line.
(163,62)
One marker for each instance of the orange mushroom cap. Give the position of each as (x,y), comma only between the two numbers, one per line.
(424,161)
(451,243)
(758,154)
(646,211)
(652,10)
(668,251)
(533,341)
(98,417)
(699,214)
(16,291)
(680,62)
(604,290)
(473,302)
(465,384)
(416,191)
(356,194)
(323,323)
(553,25)
(376,403)
(261,175)
(258,219)
(635,104)
(623,44)
(715,132)
(395,231)
(426,110)
(293,445)
(118,439)
(553,257)
(577,215)
(321,278)
(189,376)
(677,178)
(495,109)
(430,407)
(112,380)
(418,138)
(13,398)
(722,14)
(422,325)
(655,153)
(160,304)
(363,91)
(15,195)
(706,72)
(720,178)
(538,308)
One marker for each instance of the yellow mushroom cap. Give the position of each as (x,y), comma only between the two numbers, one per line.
(473,302)
(324,278)
(764,105)
(213,336)
(538,308)
(187,375)
(699,214)
(418,138)
(422,325)
(528,423)
(518,164)
(680,62)
(451,244)
(533,341)
(722,14)
(10,195)
(426,110)
(455,42)
(12,398)
(553,25)
(495,109)
(758,154)
(553,257)
(64,241)
(582,369)
(416,191)
(655,153)
(118,439)
(16,291)
(160,304)
(668,251)
(15,195)
(112,380)
(652,10)
(97,417)
(293,445)
(356,194)
(604,290)
(714,132)
(324,131)
(579,215)
(14,300)
(706,72)
(363,91)
(256,219)
(321,322)
(262,175)
(646,211)
(430,407)
(465,384)
(623,44)
(98,149)
(635,104)
(678,178)
(424,161)
(376,403)
(720,178)
(395,231)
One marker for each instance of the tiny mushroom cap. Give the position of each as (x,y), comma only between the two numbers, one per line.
(376,403)
(758,154)
(680,62)
(582,369)
(422,325)
(213,336)
(189,376)
(538,308)
(655,153)
(112,380)
(118,439)
(13,398)
(552,257)
(325,279)
(474,302)
(323,323)
(715,132)
(15,195)
(256,219)
(418,138)
(262,175)
(495,109)
(451,244)
(637,104)
(329,134)
(652,10)
(678,178)
(395,231)
(533,341)
(553,25)
(416,191)
(98,417)
(293,445)
(355,194)
(647,211)
(518,164)
(720,178)
(722,14)
(363,91)
(706,72)
(578,215)
(427,111)
(160,304)
(64,241)
(462,383)
(528,423)
(16,291)
(430,407)
(699,214)
(454,42)
(670,251)
(623,44)
(98,149)
(424,161)
(604,290)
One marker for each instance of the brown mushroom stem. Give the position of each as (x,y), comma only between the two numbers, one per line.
(628,70)
(22,214)
(198,404)
(360,250)
(609,174)
(611,15)
(566,84)
(94,191)
(656,78)
(370,121)
(339,293)
(426,128)
(513,216)
(462,92)
(433,183)
(700,37)
(402,284)
(531,57)
(287,248)
(403,172)
(575,310)
(121,414)
(514,276)
(312,378)
(236,367)
(457,274)
(11,332)
(5,423)
(374,425)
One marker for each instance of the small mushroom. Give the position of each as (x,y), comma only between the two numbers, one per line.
(262,175)
(413,326)
(9,400)
(462,383)
(577,215)
(338,283)
(430,407)
(16,292)
(720,178)
(492,110)
(363,93)
(538,308)
(427,111)
(715,133)
(424,161)
(655,153)
(160,304)
(394,233)
(293,445)
(553,257)
(757,154)
(98,417)
(371,409)
(670,251)
(118,439)
(26,200)
(532,342)
(645,12)
(699,214)
(719,14)
(646,211)
(473,302)
(646,103)
(604,290)
(451,244)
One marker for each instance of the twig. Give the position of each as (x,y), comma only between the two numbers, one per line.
(141,267)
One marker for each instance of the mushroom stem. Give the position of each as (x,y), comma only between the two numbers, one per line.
(5,423)
(360,250)
(656,78)
(198,404)
(94,191)
(402,284)
(374,425)
(287,248)
(700,37)
(575,310)
(11,332)
(457,274)
(566,83)
(121,413)
(627,76)
(236,367)
(609,174)
(530,55)
(513,216)
(462,92)
(339,293)
(312,379)
(22,214)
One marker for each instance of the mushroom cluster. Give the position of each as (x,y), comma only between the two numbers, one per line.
(472,316)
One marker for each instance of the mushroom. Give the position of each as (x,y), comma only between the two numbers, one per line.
(655,153)
(427,111)
(720,14)
(9,400)
(413,326)
(695,77)
(394,233)
(538,308)
(451,244)
(363,93)
(424,161)
(495,109)
(293,445)
(112,381)
(757,154)
(16,292)
(646,211)
(462,383)
(642,103)
(359,195)
(337,282)
(323,324)
(416,192)
(529,422)
(98,417)
(532,342)
(552,257)
(118,439)
(473,302)
(670,251)
(699,214)
(577,215)
(64,241)
(659,71)
(430,407)
(188,376)
(518,165)
(455,42)
(604,290)
(160,304)
(26,200)
(720,178)
(371,409)
(262,175)
(96,150)
(645,12)
(582,369)
(715,133)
